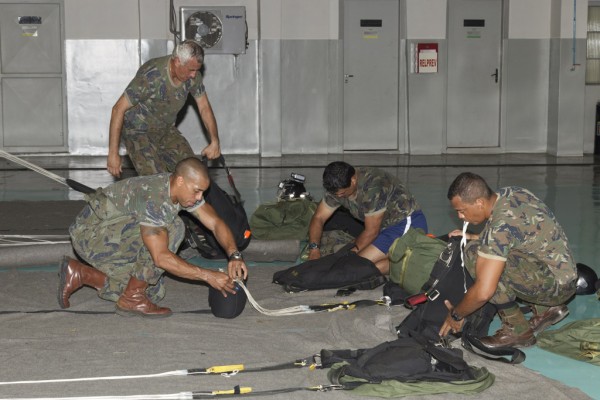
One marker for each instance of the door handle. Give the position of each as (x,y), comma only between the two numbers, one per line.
(348,76)
(495,75)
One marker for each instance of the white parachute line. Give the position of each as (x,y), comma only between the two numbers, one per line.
(180,372)
(173,396)
(463,244)
(295,310)
(33,167)
(28,240)
(36,237)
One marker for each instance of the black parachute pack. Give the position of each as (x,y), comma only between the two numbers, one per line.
(227,307)
(230,208)
(449,280)
(407,365)
(341,270)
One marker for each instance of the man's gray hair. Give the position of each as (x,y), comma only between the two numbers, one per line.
(187,50)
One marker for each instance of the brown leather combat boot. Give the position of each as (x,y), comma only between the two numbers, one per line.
(134,301)
(515,331)
(73,275)
(552,315)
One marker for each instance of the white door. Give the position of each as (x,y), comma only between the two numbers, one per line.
(370,74)
(474,54)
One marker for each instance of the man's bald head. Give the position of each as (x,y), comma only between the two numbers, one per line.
(191,169)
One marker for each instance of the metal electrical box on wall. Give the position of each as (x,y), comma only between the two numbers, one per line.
(219,30)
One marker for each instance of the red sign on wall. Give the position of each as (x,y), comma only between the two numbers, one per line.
(427,58)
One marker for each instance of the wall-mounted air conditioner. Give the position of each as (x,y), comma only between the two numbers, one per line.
(220,30)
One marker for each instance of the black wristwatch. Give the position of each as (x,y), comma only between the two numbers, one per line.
(313,245)
(236,255)
(455,316)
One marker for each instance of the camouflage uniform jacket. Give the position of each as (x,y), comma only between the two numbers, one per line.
(523,224)
(155,99)
(143,200)
(377,191)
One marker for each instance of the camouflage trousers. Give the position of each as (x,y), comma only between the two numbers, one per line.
(523,278)
(152,152)
(120,253)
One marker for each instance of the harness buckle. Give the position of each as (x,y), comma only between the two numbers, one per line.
(301,362)
(387,301)
(433,295)
(316,364)
(327,388)
(446,255)
(444,342)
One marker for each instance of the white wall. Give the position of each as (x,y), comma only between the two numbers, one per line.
(108,39)
(426,19)
(529,19)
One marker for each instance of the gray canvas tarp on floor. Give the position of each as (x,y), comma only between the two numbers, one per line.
(64,345)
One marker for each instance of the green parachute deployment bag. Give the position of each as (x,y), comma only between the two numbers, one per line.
(282,220)
(403,367)
(412,257)
(579,340)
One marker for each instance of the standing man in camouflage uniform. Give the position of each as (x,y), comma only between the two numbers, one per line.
(370,195)
(522,252)
(129,232)
(147,111)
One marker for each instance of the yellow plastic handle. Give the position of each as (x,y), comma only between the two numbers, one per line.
(219,369)
(243,390)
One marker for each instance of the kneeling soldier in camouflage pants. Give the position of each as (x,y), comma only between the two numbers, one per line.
(129,233)
(522,252)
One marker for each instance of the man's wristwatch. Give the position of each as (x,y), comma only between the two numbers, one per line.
(236,256)
(313,245)
(455,316)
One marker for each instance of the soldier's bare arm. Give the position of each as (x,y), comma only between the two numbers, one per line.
(315,228)
(372,229)
(156,240)
(209,218)
(113,162)
(213,150)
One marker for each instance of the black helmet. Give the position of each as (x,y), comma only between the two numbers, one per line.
(293,189)
(586,279)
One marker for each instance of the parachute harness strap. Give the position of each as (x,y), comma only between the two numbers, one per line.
(463,244)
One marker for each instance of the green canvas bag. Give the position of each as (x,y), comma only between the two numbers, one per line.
(579,340)
(390,388)
(412,257)
(282,220)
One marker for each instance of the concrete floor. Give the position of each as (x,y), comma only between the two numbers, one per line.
(570,186)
